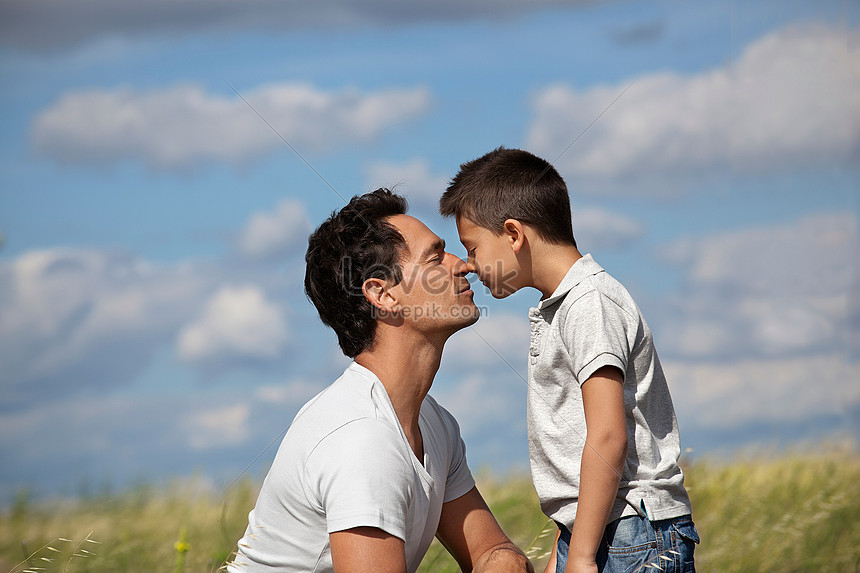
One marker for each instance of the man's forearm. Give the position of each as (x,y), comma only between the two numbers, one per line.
(505,558)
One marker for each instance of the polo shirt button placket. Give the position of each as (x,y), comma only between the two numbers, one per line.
(535,319)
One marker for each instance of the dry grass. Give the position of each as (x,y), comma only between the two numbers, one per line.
(135,531)
(792,513)
(779,514)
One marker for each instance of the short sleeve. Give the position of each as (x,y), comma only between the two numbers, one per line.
(595,335)
(460,480)
(361,478)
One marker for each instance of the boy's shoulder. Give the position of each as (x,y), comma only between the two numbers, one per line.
(588,282)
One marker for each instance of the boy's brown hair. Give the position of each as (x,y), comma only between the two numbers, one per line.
(511,184)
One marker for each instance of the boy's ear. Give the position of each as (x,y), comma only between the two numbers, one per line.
(515,233)
(377,293)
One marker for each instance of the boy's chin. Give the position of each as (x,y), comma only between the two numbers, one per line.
(501,295)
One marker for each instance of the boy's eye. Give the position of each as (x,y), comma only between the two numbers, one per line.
(471,252)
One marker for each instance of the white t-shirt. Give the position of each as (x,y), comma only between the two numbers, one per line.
(345,462)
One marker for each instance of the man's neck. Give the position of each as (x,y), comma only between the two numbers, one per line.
(555,262)
(406,363)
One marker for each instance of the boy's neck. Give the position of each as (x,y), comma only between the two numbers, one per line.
(551,265)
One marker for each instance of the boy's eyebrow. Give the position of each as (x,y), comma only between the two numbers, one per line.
(438,245)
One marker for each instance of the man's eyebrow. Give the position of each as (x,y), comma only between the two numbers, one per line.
(438,245)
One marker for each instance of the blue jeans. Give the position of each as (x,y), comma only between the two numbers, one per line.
(634,543)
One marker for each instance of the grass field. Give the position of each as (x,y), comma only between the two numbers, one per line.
(794,513)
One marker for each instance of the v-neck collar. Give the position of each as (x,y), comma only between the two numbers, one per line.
(383,401)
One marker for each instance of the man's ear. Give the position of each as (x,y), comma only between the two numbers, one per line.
(515,233)
(376,291)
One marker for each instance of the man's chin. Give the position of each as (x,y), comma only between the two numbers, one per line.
(467,316)
(470,320)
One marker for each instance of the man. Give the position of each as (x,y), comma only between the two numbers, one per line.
(373,468)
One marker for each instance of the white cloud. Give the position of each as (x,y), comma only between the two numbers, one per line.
(218,427)
(238,322)
(482,381)
(73,319)
(56,445)
(815,254)
(294,392)
(412,179)
(495,340)
(790,99)
(599,228)
(768,291)
(81,321)
(279,233)
(480,402)
(721,396)
(179,126)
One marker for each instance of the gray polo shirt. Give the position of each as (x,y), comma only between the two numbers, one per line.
(591,321)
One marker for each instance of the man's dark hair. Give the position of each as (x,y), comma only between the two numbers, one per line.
(353,245)
(511,184)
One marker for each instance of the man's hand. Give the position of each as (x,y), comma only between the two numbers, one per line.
(472,535)
(367,550)
(505,558)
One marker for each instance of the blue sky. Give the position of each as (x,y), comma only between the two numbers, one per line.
(152,321)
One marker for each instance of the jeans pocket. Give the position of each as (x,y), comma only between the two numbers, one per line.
(687,530)
(684,538)
(628,545)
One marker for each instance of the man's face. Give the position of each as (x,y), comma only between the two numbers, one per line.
(434,291)
(491,257)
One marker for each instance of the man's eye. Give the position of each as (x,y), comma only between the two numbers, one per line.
(472,252)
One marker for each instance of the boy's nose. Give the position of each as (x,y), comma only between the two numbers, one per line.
(467,267)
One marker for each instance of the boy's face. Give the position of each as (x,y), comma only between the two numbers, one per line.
(491,257)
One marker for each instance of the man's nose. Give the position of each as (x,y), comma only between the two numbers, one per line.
(461,267)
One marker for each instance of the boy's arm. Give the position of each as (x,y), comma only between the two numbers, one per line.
(603,461)
(551,564)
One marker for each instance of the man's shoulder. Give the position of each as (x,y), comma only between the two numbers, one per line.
(349,399)
(353,388)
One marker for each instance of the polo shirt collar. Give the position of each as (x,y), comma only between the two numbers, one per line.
(579,271)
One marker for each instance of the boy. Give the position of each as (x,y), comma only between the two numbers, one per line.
(618,497)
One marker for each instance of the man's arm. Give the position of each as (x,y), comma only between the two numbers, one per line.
(367,550)
(472,535)
(603,461)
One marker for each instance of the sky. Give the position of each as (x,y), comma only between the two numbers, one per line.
(162,164)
